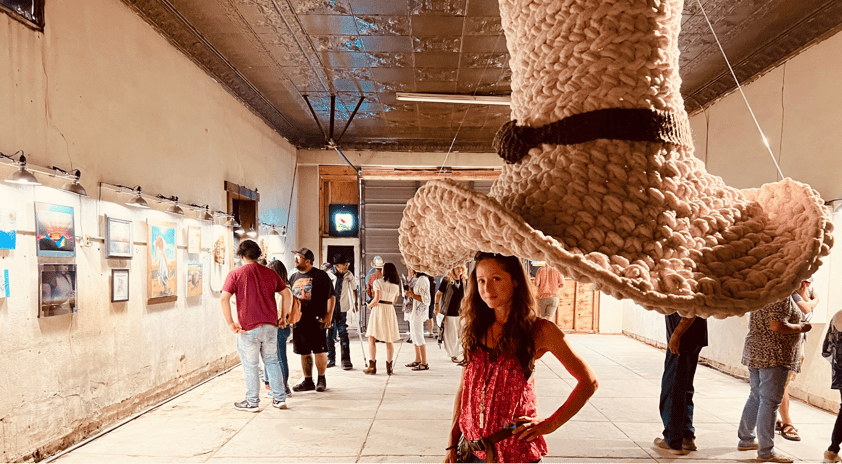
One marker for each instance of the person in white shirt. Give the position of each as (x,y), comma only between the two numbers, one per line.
(416,311)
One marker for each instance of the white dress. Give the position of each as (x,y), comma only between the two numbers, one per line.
(382,321)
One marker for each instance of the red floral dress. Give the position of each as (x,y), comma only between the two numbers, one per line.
(494,394)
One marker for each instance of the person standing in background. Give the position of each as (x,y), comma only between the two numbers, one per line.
(345,290)
(832,351)
(548,281)
(448,299)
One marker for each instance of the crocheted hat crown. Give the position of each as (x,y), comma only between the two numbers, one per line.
(601,181)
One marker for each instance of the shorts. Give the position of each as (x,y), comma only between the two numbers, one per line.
(309,338)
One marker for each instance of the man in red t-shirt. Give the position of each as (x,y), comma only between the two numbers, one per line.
(257,321)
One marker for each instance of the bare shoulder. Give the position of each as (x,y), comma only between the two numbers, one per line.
(546,335)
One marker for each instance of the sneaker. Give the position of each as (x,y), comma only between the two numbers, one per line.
(288,391)
(246,406)
(830,456)
(331,363)
(305,385)
(689,444)
(322,384)
(750,447)
(775,458)
(280,404)
(662,444)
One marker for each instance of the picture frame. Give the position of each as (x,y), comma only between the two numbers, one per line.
(57,289)
(194,239)
(119,285)
(8,226)
(195,279)
(161,262)
(54,230)
(118,238)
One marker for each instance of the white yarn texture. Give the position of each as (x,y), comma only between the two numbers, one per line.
(640,220)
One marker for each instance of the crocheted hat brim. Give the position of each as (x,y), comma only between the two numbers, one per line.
(446,223)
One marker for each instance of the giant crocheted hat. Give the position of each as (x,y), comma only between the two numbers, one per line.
(600,180)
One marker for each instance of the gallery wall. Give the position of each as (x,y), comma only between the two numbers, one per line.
(100,91)
(798,106)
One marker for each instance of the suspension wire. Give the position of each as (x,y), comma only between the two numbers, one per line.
(740,88)
(465,115)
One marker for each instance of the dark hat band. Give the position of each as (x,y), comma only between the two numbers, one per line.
(513,142)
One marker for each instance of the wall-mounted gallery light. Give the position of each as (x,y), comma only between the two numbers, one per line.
(251,233)
(137,201)
(73,186)
(173,208)
(834,205)
(22,175)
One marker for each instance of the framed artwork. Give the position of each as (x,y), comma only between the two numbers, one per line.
(118,238)
(5,291)
(54,230)
(161,263)
(194,279)
(220,262)
(8,229)
(194,239)
(119,285)
(58,289)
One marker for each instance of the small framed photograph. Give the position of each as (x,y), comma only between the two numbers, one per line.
(119,285)
(58,289)
(118,238)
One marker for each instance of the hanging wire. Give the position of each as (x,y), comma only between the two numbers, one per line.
(740,88)
(465,114)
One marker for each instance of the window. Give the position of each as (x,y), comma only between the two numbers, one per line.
(29,12)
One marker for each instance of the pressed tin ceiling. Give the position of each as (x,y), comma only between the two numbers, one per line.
(270,53)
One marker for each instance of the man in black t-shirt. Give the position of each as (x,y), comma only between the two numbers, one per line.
(313,289)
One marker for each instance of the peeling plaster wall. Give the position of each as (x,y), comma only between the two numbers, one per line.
(798,106)
(102,92)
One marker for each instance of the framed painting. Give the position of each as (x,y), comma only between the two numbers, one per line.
(194,239)
(194,279)
(220,262)
(8,229)
(119,285)
(161,263)
(54,230)
(118,238)
(58,289)
(5,291)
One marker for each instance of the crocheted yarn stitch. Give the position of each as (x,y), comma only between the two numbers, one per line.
(640,220)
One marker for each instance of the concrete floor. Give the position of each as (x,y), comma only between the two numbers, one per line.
(406,417)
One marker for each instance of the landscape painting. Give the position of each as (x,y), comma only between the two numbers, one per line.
(161,263)
(54,230)
(194,279)
(118,238)
(8,229)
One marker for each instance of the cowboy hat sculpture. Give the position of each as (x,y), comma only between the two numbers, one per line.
(600,179)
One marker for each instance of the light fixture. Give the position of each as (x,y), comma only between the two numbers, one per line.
(454,98)
(274,232)
(231,222)
(74,186)
(22,175)
(252,233)
(836,205)
(175,209)
(206,216)
(137,201)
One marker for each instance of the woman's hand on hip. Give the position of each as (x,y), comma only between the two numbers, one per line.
(532,428)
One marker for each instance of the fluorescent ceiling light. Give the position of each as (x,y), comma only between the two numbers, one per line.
(454,98)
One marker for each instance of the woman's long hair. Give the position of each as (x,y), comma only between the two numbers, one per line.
(390,274)
(517,331)
(450,277)
(279,269)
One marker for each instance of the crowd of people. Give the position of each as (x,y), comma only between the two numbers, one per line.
(494,322)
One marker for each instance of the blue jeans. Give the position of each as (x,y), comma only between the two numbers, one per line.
(283,335)
(676,404)
(339,327)
(252,345)
(761,409)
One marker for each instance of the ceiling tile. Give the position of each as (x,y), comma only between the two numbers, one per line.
(344,59)
(435,74)
(382,25)
(392,87)
(392,74)
(438,7)
(344,43)
(436,60)
(435,87)
(321,7)
(390,60)
(479,75)
(436,26)
(484,8)
(381,43)
(485,60)
(348,85)
(436,44)
(328,24)
(484,44)
(484,25)
(380,7)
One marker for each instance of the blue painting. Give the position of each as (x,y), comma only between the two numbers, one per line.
(54,230)
(5,292)
(162,265)
(8,229)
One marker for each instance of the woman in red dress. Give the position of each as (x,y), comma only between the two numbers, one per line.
(502,339)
